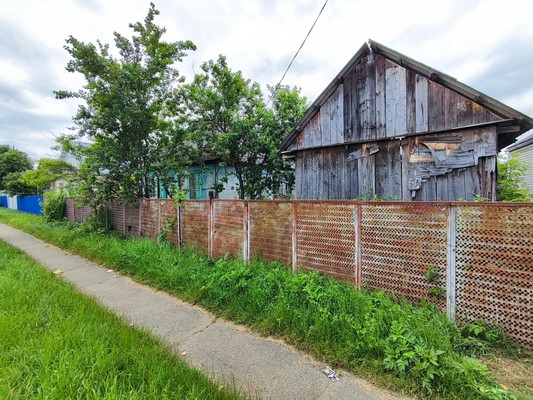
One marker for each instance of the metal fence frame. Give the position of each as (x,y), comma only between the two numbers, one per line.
(473,260)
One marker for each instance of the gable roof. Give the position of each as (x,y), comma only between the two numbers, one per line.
(507,113)
(527,140)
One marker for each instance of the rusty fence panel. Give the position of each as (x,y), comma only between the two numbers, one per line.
(325,237)
(149,218)
(474,260)
(229,231)
(132,221)
(194,224)
(169,221)
(404,249)
(118,213)
(494,277)
(270,230)
(75,213)
(71,210)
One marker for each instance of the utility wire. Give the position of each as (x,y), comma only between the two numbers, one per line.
(295,55)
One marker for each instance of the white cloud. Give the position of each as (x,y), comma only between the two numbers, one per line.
(483,43)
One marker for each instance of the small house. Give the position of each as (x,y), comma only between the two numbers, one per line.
(201,182)
(391,127)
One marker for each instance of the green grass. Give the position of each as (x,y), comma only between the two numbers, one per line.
(411,349)
(58,344)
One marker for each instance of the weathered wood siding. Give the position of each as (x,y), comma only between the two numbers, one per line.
(446,166)
(390,132)
(380,99)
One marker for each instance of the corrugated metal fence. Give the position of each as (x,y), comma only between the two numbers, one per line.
(29,204)
(474,260)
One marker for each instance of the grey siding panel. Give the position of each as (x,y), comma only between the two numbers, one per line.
(395,99)
(526,156)
(332,119)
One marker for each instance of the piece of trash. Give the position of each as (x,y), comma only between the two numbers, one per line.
(109,270)
(58,272)
(132,325)
(330,374)
(184,353)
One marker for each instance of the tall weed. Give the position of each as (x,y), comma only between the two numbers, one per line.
(54,206)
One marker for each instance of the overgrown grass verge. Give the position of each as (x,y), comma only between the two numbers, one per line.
(58,344)
(415,350)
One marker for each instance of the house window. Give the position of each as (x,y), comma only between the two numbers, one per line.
(192,187)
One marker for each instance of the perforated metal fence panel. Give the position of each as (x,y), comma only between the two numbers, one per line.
(118,213)
(474,260)
(271,230)
(194,224)
(325,237)
(132,221)
(74,213)
(228,224)
(401,245)
(494,261)
(168,221)
(149,218)
(71,210)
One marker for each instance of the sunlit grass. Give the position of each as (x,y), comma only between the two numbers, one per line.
(58,344)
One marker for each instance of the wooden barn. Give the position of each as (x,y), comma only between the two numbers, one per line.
(391,127)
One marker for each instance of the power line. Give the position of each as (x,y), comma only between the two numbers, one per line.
(300,48)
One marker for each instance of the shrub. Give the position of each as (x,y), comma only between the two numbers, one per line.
(511,180)
(54,206)
(100,220)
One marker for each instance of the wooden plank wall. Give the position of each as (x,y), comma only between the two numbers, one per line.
(356,143)
(435,167)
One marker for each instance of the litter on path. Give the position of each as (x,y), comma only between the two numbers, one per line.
(331,374)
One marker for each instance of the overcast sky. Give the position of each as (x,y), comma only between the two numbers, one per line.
(486,44)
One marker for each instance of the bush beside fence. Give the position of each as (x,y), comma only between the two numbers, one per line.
(473,260)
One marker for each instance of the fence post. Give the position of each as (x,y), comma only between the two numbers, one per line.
(357,248)
(211,229)
(141,206)
(246,231)
(294,236)
(179,224)
(124,225)
(450,260)
(159,225)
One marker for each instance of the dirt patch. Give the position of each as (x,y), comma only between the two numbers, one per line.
(517,375)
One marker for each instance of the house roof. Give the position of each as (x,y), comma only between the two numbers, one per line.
(521,143)
(507,113)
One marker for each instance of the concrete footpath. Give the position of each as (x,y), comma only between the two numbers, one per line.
(261,367)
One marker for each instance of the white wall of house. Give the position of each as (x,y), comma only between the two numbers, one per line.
(526,156)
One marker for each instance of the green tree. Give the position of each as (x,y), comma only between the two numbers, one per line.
(48,171)
(511,183)
(228,117)
(15,186)
(12,161)
(288,108)
(127,112)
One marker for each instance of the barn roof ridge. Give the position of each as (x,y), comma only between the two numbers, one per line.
(371,46)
